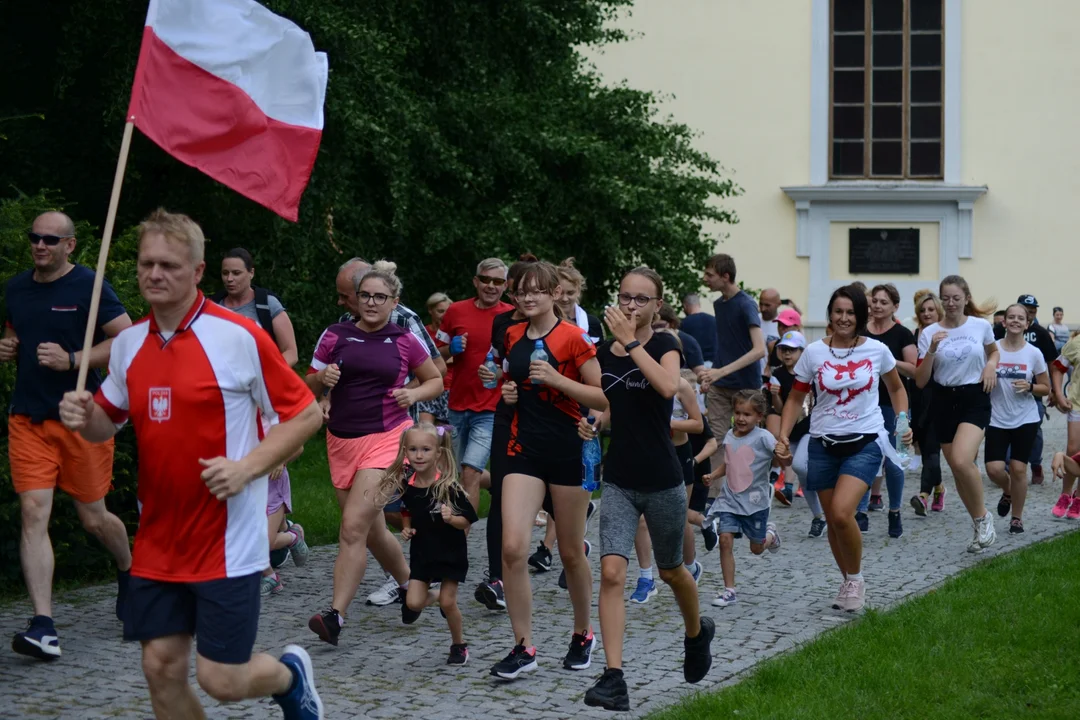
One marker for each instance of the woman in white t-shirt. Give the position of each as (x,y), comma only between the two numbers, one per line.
(1014,417)
(848,440)
(960,355)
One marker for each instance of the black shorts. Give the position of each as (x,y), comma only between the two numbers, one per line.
(961,404)
(699,496)
(558,470)
(1021,440)
(432,572)
(222,615)
(685,453)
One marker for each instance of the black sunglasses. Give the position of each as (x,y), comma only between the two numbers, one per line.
(49,240)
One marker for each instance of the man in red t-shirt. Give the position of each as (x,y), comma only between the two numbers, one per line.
(197,382)
(465,334)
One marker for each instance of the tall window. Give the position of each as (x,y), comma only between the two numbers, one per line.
(886,118)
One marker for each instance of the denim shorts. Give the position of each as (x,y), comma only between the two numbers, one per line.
(824,469)
(752,526)
(472,437)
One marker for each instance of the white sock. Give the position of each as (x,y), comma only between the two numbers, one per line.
(690,567)
(645,573)
(857,577)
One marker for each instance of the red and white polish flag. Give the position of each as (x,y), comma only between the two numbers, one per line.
(232,89)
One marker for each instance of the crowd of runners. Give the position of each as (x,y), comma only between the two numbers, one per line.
(710,421)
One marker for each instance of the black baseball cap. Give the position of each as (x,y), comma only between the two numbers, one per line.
(1027,301)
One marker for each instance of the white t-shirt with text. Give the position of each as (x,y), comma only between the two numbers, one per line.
(846,385)
(961,357)
(1010,409)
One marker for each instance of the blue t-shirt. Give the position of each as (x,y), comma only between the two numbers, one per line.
(734,318)
(702,327)
(53,312)
(692,355)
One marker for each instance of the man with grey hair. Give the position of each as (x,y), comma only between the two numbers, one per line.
(465,334)
(700,326)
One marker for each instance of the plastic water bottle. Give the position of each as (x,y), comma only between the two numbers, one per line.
(902,427)
(678,412)
(540,354)
(489,363)
(590,461)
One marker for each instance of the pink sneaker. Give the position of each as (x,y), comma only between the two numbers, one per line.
(1061,506)
(1074,510)
(939,501)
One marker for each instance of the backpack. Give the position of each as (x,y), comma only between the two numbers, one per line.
(262,309)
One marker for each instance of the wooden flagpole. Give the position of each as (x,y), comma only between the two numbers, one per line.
(103,256)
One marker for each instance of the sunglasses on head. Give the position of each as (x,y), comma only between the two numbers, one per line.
(49,240)
(486,280)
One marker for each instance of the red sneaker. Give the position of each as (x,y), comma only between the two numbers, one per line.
(1061,506)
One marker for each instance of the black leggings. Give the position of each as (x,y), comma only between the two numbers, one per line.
(931,460)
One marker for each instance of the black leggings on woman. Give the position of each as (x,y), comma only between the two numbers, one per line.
(931,460)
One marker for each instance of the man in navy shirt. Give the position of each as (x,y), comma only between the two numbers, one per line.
(701,326)
(47,311)
(740,345)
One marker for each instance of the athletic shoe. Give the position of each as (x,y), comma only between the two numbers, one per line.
(856,596)
(939,500)
(818,526)
(388,594)
(1061,506)
(540,561)
(123,577)
(589,513)
(645,589)
(326,625)
(279,557)
(778,493)
(562,575)
(799,492)
(840,601)
(919,503)
(710,535)
(408,615)
(984,534)
(771,528)
(302,701)
(725,597)
(876,504)
(39,640)
(1036,474)
(697,572)
(609,692)
(518,661)
(459,655)
(490,595)
(271,585)
(1016,526)
(896,525)
(698,652)
(299,550)
(1074,509)
(579,657)
(788,488)
(1004,505)
(863,522)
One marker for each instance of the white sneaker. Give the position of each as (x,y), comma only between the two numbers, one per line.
(840,601)
(986,534)
(856,596)
(387,594)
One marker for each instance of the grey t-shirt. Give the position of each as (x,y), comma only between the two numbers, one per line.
(747,459)
(248,309)
(734,318)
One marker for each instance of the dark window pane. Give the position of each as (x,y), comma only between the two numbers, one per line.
(925,14)
(925,86)
(888,14)
(926,121)
(848,15)
(925,50)
(888,86)
(848,122)
(847,159)
(885,158)
(849,86)
(926,159)
(887,122)
(888,50)
(848,51)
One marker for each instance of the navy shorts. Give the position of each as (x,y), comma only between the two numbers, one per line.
(222,615)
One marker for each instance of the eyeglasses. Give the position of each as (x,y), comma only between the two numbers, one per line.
(638,300)
(486,280)
(367,298)
(526,294)
(49,240)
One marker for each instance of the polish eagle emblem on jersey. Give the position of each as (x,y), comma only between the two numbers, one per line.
(846,380)
(160,404)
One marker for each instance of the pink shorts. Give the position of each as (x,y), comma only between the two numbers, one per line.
(278,494)
(371,452)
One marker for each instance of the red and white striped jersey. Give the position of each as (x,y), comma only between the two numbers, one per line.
(198,394)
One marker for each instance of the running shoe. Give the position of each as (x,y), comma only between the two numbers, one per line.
(840,601)
(771,528)
(645,589)
(789,492)
(896,525)
(863,521)
(459,655)
(799,492)
(710,535)
(562,575)
(490,595)
(589,513)
(408,615)
(1016,526)
(1074,509)
(778,493)
(856,597)
(939,499)
(1061,506)
(579,656)
(983,535)
(876,504)
(299,550)
(1004,505)
(1037,473)
(540,561)
(698,652)
(818,526)
(123,577)
(39,639)
(609,692)
(520,660)
(279,557)
(725,597)
(271,585)
(326,625)
(697,572)
(302,701)
(919,503)
(388,594)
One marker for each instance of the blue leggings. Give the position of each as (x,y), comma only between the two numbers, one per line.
(894,475)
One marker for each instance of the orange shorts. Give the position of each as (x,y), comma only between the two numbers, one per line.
(370,452)
(49,455)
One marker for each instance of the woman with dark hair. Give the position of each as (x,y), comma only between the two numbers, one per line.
(848,439)
(928,310)
(237,272)
(960,355)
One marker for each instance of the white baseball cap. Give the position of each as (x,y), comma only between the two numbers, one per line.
(793,339)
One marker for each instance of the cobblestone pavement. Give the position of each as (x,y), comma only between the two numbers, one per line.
(385,669)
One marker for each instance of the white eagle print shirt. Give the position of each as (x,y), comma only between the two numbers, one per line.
(847,387)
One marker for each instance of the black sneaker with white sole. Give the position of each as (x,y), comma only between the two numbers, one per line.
(609,692)
(709,535)
(863,521)
(490,595)
(39,640)
(459,655)
(541,560)
(579,657)
(698,652)
(326,625)
(520,660)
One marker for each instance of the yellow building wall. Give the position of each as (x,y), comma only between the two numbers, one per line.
(928,255)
